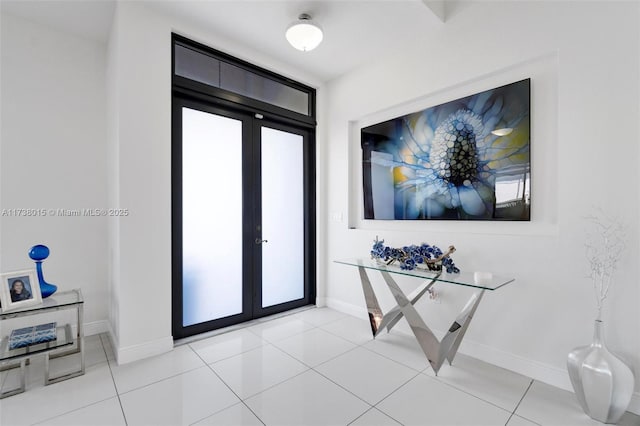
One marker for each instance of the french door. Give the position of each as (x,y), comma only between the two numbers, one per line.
(243,216)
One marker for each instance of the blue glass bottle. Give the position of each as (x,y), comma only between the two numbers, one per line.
(38,253)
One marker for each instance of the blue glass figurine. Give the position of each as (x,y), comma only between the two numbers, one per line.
(40,253)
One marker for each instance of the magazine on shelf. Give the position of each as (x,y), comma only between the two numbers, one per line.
(33,335)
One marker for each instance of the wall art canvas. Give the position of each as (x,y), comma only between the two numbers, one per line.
(468,159)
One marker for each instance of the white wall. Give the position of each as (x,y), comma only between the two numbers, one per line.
(583,58)
(57,120)
(139,104)
(52,156)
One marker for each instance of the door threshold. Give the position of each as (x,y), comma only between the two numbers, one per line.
(208,334)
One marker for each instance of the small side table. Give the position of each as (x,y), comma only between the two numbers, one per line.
(65,344)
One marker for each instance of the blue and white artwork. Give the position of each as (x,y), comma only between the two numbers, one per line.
(467,159)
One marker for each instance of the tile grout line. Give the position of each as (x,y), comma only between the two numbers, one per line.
(418,373)
(159,380)
(262,344)
(467,392)
(519,402)
(308,367)
(241,401)
(95,402)
(392,392)
(371,406)
(363,346)
(368,411)
(355,346)
(113,379)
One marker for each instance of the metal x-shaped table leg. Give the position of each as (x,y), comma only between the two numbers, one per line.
(435,350)
(377,319)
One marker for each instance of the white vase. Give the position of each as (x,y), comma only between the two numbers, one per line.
(603,383)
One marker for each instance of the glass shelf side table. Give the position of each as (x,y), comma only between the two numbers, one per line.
(436,351)
(65,344)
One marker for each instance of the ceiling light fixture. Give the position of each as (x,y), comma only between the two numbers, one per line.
(304,34)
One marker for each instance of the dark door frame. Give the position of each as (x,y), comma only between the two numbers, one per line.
(252,290)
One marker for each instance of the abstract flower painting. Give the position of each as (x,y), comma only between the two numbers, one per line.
(467,159)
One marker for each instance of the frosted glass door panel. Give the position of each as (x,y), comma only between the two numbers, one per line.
(211,216)
(282,217)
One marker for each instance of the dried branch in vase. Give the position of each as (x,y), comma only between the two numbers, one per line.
(605,244)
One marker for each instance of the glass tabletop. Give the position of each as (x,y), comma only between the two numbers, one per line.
(481,280)
(56,300)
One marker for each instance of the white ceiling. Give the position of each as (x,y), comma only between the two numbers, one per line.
(356,31)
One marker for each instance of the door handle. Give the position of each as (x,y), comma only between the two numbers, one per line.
(259,241)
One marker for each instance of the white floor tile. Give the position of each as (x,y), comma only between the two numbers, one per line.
(548,405)
(180,388)
(226,345)
(308,399)
(426,401)
(256,370)
(368,375)
(141,373)
(374,417)
(94,354)
(53,400)
(519,421)
(34,375)
(94,350)
(629,419)
(106,344)
(400,347)
(319,316)
(179,400)
(280,328)
(355,330)
(3,376)
(501,387)
(236,415)
(314,347)
(103,413)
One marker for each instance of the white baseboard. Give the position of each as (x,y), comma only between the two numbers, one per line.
(143,350)
(92,328)
(548,374)
(541,372)
(347,308)
(321,302)
(139,351)
(96,327)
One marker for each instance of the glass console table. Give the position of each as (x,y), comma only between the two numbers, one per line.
(437,351)
(65,344)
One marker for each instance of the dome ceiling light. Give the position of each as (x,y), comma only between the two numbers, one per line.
(304,34)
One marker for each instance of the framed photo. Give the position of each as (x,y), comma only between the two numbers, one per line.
(19,289)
